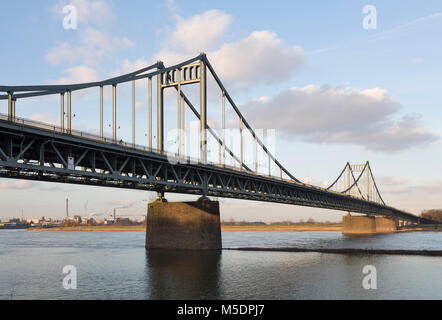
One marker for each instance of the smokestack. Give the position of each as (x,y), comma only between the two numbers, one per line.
(67,209)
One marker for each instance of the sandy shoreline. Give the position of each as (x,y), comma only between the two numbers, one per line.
(92,228)
(282,228)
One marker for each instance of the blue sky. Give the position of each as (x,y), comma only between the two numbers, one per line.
(333,91)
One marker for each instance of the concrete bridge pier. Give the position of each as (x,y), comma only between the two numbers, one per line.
(385,225)
(367,225)
(358,224)
(191,225)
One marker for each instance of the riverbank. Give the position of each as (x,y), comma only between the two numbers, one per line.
(283,228)
(224,228)
(93,228)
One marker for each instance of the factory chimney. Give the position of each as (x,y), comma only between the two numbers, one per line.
(67,209)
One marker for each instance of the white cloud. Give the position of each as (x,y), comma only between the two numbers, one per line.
(200,32)
(170,57)
(102,40)
(79,74)
(261,56)
(92,47)
(66,53)
(340,115)
(128,67)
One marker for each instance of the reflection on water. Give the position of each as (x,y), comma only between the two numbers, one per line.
(115,265)
(177,274)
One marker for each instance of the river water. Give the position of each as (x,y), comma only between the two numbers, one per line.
(115,265)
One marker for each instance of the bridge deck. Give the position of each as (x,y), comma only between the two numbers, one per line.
(31,150)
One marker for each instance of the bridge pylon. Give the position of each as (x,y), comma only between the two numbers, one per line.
(191,225)
(357,180)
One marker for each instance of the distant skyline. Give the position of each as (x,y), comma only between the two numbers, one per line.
(333,91)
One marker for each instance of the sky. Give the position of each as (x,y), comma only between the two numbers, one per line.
(335,85)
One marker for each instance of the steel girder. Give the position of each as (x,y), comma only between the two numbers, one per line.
(36,154)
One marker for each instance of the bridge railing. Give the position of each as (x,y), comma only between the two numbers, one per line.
(88,136)
(109,140)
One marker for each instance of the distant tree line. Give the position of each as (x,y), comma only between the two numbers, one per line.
(232,222)
(433,214)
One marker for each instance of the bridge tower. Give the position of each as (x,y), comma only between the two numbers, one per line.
(356,180)
(184,225)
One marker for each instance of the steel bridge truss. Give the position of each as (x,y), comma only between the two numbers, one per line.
(36,151)
(35,154)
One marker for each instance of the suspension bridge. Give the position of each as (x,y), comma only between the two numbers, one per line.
(58,153)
